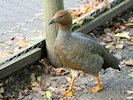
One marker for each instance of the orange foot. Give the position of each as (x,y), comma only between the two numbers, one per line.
(96,89)
(68,93)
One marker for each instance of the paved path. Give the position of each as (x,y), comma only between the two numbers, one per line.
(26,14)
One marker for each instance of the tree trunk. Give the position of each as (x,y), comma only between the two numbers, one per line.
(50,8)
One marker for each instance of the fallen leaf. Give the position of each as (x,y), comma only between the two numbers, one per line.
(130,20)
(129,24)
(75,13)
(83,8)
(122,27)
(129,62)
(32,77)
(108,46)
(23,43)
(39,78)
(107,30)
(36,89)
(129,43)
(48,95)
(129,92)
(1,58)
(1,96)
(68,79)
(131,74)
(96,3)
(129,98)
(8,52)
(46,66)
(79,23)
(1,90)
(60,71)
(119,46)
(35,84)
(41,92)
(107,38)
(53,89)
(123,35)
(25,92)
(16,49)
(1,84)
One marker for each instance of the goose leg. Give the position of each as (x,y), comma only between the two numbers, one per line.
(70,91)
(99,87)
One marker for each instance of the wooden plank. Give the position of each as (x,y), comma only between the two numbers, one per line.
(102,18)
(20,62)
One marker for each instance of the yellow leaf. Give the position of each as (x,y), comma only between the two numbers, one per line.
(129,24)
(48,95)
(123,35)
(119,46)
(1,84)
(80,23)
(39,78)
(32,77)
(1,90)
(1,97)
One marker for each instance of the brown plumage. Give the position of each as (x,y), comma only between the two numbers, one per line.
(80,52)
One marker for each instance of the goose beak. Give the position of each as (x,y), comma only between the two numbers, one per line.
(52,21)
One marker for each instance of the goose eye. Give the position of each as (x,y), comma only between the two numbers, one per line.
(61,16)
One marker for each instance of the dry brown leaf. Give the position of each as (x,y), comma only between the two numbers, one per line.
(36,89)
(89,9)
(96,3)
(130,20)
(60,71)
(8,52)
(107,38)
(35,84)
(108,46)
(23,43)
(1,58)
(46,66)
(122,27)
(83,8)
(129,62)
(75,13)
(119,46)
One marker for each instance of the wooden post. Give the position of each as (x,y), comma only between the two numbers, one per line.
(50,8)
